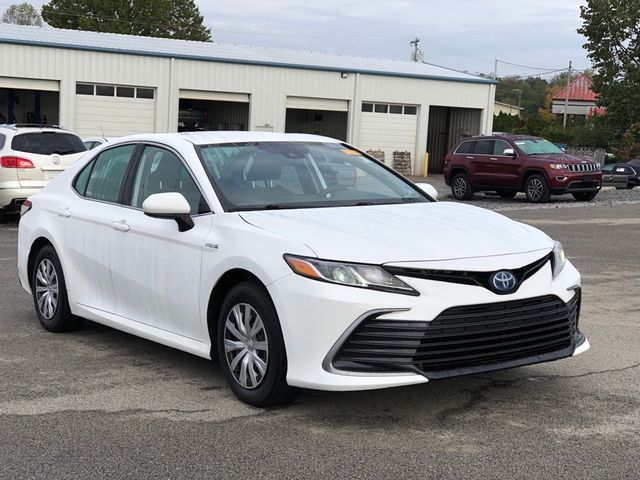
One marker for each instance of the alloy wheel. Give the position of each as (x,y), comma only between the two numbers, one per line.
(459,187)
(46,286)
(535,189)
(246,345)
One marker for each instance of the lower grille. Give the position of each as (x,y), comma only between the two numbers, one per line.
(462,337)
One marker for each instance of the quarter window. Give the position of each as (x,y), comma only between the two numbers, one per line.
(466,147)
(107,176)
(161,171)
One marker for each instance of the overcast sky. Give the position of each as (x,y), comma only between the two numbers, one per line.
(460,34)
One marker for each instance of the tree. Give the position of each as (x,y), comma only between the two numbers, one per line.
(22,14)
(178,19)
(612,29)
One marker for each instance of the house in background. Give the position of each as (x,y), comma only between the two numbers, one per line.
(501,107)
(582,99)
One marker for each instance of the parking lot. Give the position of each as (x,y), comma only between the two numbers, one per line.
(101,403)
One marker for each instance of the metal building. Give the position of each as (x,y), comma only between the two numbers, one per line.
(112,85)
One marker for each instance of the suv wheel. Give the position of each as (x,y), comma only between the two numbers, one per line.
(585,196)
(461,187)
(507,193)
(251,348)
(537,189)
(50,293)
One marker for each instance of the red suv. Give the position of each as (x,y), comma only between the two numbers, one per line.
(508,164)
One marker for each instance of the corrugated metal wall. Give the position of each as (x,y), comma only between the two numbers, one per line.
(447,125)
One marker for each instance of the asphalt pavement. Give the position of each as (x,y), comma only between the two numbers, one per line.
(99,403)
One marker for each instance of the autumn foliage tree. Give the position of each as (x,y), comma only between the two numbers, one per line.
(178,19)
(612,29)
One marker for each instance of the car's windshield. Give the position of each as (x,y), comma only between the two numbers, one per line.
(537,146)
(272,175)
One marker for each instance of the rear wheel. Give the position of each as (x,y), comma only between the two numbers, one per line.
(251,348)
(461,187)
(50,293)
(507,193)
(537,189)
(585,196)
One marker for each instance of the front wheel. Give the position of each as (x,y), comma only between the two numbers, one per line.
(50,293)
(251,348)
(585,196)
(537,189)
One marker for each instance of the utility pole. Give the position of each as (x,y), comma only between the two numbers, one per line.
(566,98)
(416,54)
(519,90)
(495,70)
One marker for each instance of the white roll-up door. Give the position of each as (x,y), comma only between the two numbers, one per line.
(29,84)
(308,103)
(114,116)
(215,96)
(390,132)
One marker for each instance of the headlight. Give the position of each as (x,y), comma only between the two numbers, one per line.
(558,259)
(359,275)
(558,166)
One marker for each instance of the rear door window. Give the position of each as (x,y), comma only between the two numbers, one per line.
(466,147)
(48,143)
(484,147)
(108,173)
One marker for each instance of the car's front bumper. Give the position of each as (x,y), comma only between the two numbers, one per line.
(565,182)
(317,317)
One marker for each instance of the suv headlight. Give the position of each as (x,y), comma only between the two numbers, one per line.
(558,259)
(372,277)
(558,166)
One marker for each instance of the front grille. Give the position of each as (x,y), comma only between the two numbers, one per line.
(583,167)
(462,337)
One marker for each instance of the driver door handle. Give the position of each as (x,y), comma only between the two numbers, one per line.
(120,226)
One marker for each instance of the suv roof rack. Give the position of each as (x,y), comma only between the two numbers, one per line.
(15,126)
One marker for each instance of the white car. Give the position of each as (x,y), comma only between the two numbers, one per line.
(235,244)
(30,156)
(93,142)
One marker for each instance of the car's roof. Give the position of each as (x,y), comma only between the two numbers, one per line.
(20,129)
(504,136)
(208,138)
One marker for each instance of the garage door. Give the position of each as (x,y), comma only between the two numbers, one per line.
(390,128)
(114,111)
(308,103)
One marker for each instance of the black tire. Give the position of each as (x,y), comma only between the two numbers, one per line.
(585,196)
(461,188)
(507,193)
(271,387)
(537,189)
(59,318)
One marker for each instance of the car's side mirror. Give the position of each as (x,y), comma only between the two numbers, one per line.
(428,189)
(510,152)
(170,205)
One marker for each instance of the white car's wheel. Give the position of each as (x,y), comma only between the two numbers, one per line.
(50,293)
(251,349)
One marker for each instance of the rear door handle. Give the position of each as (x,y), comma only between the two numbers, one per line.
(469,158)
(120,226)
(63,212)
(493,158)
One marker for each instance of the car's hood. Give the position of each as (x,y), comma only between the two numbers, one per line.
(564,158)
(402,233)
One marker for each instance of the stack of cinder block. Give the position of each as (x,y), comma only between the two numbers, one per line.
(377,154)
(402,162)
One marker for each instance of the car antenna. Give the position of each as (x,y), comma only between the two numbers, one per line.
(102,131)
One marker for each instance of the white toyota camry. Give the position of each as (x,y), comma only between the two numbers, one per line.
(297,260)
